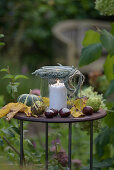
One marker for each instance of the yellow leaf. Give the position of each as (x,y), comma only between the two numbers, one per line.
(78,103)
(14,110)
(84,99)
(27,111)
(6,109)
(70,102)
(76,113)
(46,101)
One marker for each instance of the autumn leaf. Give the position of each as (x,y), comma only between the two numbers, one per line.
(76,113)
(78,105)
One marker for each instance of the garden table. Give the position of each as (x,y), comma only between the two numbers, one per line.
(22,117)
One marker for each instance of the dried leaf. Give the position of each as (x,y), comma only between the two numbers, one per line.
(76,113)
(27,111)
(14,110)
(78,106)
(78,103)
(34,115)
(5,110)
(46,101)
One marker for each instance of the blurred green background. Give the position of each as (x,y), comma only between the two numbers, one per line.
(27,27)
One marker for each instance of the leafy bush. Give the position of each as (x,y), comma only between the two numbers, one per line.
(93,44)
(13,84)
(106,7)
(92,51)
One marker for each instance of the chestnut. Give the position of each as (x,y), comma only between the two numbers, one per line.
(55,112)
(49,113)
(64,112)
(88,110)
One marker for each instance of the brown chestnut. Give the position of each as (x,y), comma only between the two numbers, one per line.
(49,113)
(88,110)
(55,112)
(64,112)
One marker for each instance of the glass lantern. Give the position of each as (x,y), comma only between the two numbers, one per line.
(58,83)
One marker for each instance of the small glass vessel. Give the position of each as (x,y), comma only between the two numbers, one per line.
(59,83)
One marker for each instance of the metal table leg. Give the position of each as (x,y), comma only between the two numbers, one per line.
(91,145)
(46,145)
(69,145)
(21,143)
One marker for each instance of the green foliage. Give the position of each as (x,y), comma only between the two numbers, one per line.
(109,120)
(107,40)
(1,36)
(10,143)
(28,26)
(1,44)
(102,84)
(104,164)
(1,101)
(102,143)
(106,7)
(109,67)
(91,37)
(94,102)
(110,89)
(98,165)
(13,84)
(90,93)
(98,100)
(90,53)
(93,46)
(20,77)
(112,28)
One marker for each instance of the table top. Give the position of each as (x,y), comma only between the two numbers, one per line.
(98,115)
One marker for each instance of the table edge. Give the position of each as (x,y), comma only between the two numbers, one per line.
(71,120)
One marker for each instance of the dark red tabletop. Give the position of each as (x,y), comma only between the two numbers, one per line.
(100,114)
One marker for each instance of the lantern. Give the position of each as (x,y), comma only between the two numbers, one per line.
(59,83)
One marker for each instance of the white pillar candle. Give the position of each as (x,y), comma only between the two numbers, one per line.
(58,95)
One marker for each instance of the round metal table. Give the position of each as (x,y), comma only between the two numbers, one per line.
(22,117)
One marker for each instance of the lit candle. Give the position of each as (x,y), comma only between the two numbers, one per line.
(58,95)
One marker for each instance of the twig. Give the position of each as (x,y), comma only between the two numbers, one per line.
(11,146)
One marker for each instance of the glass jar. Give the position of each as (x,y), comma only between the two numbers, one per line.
(57,84)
